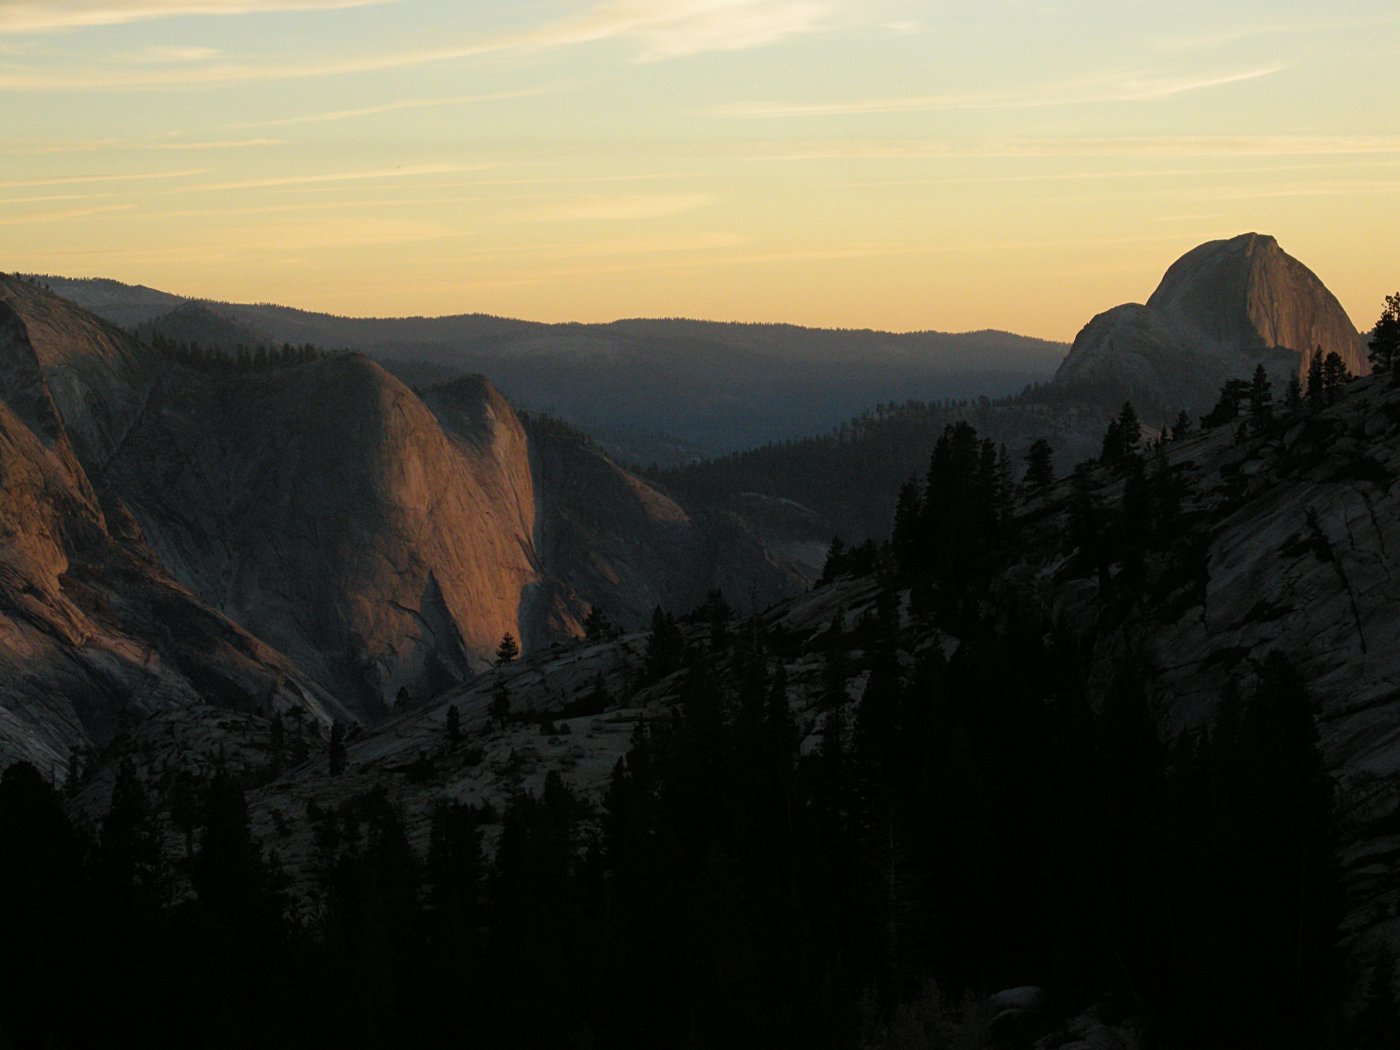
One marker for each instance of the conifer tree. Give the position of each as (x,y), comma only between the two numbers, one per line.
(1384,344)
(1314,391)
(508,650)
(1040,469)
(1261,398)
(596,625)
(335,752)
(499,708)
(1182,427)
(1334,377)
(1227,407)
(1293,395)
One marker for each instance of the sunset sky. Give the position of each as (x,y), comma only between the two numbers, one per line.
(874,163)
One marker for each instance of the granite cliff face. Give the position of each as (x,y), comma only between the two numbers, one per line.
(319,520)
(94,633)
(615,540)
(322,507)
(1220,310)
(319,507)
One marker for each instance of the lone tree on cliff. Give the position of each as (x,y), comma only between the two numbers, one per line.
(508,650)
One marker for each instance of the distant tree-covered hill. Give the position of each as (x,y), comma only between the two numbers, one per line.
(663,388)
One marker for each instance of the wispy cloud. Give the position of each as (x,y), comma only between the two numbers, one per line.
(1166,146)
(1233,34)
(410,171)
(1135,87)
(659,29)
(48,197)
(37,16)
(334,116)
(111,145)
(61,216)
(73,180)
(175,54)
(619,208)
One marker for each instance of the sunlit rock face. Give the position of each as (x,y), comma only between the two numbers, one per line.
(315,536)
(94,633)
(324,508)
(1221,309)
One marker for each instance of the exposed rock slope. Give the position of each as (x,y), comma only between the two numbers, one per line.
(324,508)
(93,632)
(370,542)
(630,546)
(1220,310)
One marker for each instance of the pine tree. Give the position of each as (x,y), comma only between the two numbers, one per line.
(129,847)
(453,724)
(905,539)
(508,650)
(1261,398)
(665,651)
(1182,427)
(1293,395)
(1334,377)
(499,708)
(1040,469)
(835,563)
(1123,438)
(1384,344)
(1314,392)
(1130,429)
(1227,407)
(596,625)
(335,751)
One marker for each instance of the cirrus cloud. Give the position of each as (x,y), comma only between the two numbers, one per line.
(40,16)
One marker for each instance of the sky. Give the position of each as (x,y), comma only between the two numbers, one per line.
(894,164)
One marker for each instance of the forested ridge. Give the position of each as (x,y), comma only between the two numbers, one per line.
(975,814)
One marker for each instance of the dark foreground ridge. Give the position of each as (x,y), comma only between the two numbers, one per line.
(1104,763)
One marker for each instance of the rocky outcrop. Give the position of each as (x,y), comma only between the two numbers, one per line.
(612,539)
(1221,309)
(324,508)
(321,534)
(93,633)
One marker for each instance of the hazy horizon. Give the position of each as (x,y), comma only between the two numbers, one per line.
(891,165)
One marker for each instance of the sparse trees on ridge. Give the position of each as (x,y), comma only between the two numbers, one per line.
(1384,344)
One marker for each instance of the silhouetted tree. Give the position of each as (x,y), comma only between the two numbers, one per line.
(1334,377)
(1227,407)
(1384,344)
(508,650)
(1182,427)
(453,724)
(1314,392)
(1293,394)
(596,625)
(1261,398)
(499,708)
(335,751)
(665,647)
(835,563)
(1040,468)
(1123,437)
